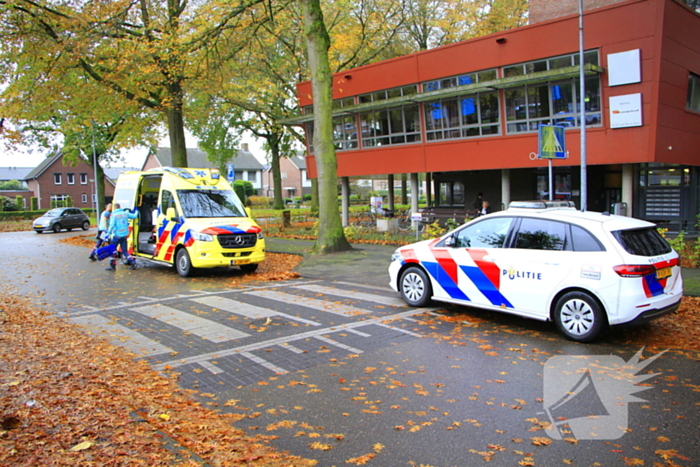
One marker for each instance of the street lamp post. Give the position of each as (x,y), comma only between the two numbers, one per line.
(94,162)
(582,106)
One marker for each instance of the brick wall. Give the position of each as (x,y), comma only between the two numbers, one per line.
(544,10)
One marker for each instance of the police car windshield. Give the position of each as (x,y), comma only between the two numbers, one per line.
(210,203)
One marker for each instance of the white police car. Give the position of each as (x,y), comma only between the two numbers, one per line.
(545,260)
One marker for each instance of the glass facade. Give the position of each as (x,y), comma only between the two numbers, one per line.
(399,125)
(693,102)
(462,117)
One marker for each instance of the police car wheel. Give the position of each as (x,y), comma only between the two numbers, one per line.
(183,264)
(415,287)
(579,316)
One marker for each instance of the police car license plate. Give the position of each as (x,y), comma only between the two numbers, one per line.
(663,273)
(235,262)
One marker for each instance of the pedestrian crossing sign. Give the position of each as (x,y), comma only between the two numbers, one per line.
(552,144)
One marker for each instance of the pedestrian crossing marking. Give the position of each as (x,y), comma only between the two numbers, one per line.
(202,327)
(390,301)
(247,310)
(307,302)
(122,336)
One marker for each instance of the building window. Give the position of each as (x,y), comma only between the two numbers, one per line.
(59,201)
(693,92)
(344,102)
(451,193)
(385,127)
(462,80)
(550,64)
(70,179)
(554,103)
(388,94)
(462,117)
(83,179)
(57,179)
(84,198)
(345,132)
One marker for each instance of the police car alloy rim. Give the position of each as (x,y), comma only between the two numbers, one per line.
(413,286)
(577,317)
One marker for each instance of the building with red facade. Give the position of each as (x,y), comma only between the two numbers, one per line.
(465,116)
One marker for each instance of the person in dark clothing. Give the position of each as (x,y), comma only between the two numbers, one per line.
(485,209)
(477,203)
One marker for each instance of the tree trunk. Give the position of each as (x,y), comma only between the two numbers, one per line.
(176,126)
(331,237)
(273,142)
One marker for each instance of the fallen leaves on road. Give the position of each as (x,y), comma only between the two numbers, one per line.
(67,398)
(276,267)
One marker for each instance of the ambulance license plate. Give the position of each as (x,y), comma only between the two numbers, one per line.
(663,273)
(235,262)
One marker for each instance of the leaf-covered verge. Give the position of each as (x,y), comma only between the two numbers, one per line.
(69,399)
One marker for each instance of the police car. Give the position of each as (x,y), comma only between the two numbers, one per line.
(585,271)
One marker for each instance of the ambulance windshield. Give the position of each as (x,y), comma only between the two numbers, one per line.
(210,203)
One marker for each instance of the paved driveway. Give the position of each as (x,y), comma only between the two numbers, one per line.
(346,373)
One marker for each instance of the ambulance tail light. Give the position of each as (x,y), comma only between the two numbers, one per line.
(634,270)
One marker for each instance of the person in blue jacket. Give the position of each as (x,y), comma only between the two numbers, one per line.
(118,232)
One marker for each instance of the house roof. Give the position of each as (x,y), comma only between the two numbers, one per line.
(14,173)
(244,160)
(45,164)
(298,159)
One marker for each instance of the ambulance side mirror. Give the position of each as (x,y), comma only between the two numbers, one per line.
(170,215)
(248,212)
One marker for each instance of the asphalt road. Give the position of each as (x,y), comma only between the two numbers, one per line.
(346,373)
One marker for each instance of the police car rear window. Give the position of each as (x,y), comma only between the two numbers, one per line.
(642,242)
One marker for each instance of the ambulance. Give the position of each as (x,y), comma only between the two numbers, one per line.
(189,218)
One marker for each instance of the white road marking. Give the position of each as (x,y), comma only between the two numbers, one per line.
(202,327)
(247,310)
(390,301)
(122,336)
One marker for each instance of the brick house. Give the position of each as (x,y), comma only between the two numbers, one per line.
(295,180)
(16,173)
(52,180)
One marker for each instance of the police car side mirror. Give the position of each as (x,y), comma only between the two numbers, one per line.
(450,241)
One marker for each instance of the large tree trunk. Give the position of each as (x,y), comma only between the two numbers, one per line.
(331,237)
(176,126)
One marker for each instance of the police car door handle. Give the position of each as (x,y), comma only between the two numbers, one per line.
(489,258)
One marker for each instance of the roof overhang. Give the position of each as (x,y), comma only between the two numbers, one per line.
(486,86)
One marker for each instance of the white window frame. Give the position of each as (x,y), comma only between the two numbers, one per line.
(58,179)
(70,178)
(83,179)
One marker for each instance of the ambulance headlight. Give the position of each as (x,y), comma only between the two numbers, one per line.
(260,236)
(202,237)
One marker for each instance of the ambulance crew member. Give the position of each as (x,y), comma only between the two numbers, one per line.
(118,232)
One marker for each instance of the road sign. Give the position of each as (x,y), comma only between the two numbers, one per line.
(552,144)
(231,173)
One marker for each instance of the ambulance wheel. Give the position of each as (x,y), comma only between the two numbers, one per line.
(415,287)
(249,267)
(579,316)
(183,263)
(56,228)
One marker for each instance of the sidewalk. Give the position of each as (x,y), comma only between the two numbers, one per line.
(369,264)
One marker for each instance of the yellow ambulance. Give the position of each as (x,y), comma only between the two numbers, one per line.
(189,218)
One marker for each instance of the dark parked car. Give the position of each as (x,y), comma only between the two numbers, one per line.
(58,219)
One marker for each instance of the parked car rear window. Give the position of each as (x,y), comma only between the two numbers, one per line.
(584,240)
(642,242)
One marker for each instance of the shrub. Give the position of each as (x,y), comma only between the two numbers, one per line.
(34,203)
(307,197)
(260,201)
(6,204)
(19,201)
